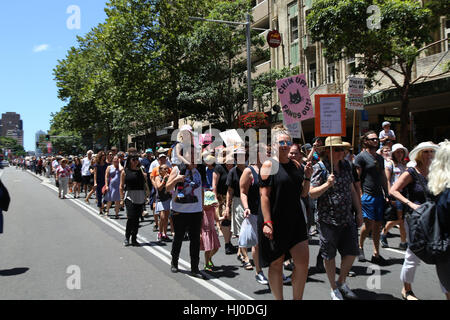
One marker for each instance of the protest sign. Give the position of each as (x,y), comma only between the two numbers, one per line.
(294,129)
(231,138)
(355,94)
(295,99)
(330,115)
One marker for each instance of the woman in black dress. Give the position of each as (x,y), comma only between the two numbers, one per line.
(77,178)
(283,232)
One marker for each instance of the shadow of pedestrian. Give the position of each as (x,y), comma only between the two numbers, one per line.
(13,272)
(370,295)
(224,272)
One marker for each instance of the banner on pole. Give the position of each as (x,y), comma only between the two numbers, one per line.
(330,115)
(295,99)
(355,94)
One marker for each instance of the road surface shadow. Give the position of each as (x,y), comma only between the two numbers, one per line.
(223,272)
(370,295)
(13,272)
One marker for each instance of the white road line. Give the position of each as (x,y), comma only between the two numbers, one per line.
(163,254)
(395,250)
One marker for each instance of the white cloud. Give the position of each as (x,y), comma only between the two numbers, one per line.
(41,48)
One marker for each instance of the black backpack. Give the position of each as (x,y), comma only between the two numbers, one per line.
(426,240)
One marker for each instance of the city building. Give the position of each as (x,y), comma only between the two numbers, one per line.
(12,127)
(429,98)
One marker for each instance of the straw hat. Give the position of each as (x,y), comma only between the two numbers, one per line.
(422,146)
(334,142)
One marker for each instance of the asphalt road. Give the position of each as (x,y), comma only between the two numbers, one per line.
(62,249)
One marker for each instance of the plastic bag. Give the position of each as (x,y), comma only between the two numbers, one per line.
(248,236)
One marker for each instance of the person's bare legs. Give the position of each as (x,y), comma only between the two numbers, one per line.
(346,265)
(300,256)
(365,229)
(376,227)
(255,257)
(276,278)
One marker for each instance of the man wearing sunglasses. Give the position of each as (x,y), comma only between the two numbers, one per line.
(370,168)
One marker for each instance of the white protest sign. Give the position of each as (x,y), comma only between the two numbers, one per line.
(294,129)
(231,138)
(355,94)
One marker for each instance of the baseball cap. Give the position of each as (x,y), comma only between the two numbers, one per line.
(150,150)
(386,123)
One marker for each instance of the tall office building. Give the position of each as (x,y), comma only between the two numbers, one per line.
(12,127)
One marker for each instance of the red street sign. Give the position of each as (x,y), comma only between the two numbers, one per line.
(274,39)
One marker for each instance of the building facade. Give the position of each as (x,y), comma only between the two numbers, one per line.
(11,126)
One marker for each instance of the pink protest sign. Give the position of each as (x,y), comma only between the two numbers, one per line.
(295,99)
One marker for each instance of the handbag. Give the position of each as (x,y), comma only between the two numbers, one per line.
(390,212)
(248,237)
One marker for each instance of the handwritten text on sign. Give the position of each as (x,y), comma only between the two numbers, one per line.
(330,115)
(355,94)
(295,99)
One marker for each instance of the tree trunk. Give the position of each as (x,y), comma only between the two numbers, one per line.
(404,118)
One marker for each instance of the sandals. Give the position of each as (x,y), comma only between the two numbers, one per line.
(409,295)
(247,265)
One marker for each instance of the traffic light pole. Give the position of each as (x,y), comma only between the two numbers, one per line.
(249,44)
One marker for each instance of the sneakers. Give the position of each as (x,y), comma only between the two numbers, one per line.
(403,246)
(379,261)
(126,243)
(346,292)
(361,257)
(230,249)
(174,267)
(261,278)
(196,274)
(159,236)
(336,294)
(383,240)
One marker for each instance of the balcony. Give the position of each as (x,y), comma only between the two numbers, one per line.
(260,13)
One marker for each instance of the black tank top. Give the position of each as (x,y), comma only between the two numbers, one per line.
(134,179)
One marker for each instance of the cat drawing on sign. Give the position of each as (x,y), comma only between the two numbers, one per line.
(296,98)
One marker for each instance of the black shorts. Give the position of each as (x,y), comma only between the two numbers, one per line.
(87,181)
(338,238)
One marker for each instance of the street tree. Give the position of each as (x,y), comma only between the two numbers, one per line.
(342,27)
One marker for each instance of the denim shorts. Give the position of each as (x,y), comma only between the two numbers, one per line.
(372,207)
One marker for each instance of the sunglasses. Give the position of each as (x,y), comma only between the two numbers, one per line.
(134,159)
(285,143)
(338,149)
(373,139)
(429,151)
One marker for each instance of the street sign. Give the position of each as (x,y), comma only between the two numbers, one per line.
(274,39)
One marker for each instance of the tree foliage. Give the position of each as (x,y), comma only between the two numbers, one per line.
(341,25)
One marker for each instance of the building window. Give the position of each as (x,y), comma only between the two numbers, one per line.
(351,64)
(295,54)
(312,75)
(331,72)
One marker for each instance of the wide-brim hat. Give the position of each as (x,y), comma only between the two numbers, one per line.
(334,141)
(399,146)
(210,198)
(422,146)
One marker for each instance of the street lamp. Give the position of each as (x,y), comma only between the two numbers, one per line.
(247,25)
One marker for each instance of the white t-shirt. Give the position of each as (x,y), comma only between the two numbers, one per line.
(390,134)
(155,164)
(85,164)
(396,171)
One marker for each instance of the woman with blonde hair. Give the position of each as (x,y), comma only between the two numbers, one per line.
(412,180)
(282,232)
(439,186)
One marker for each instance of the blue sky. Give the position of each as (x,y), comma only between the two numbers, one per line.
(34,35)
